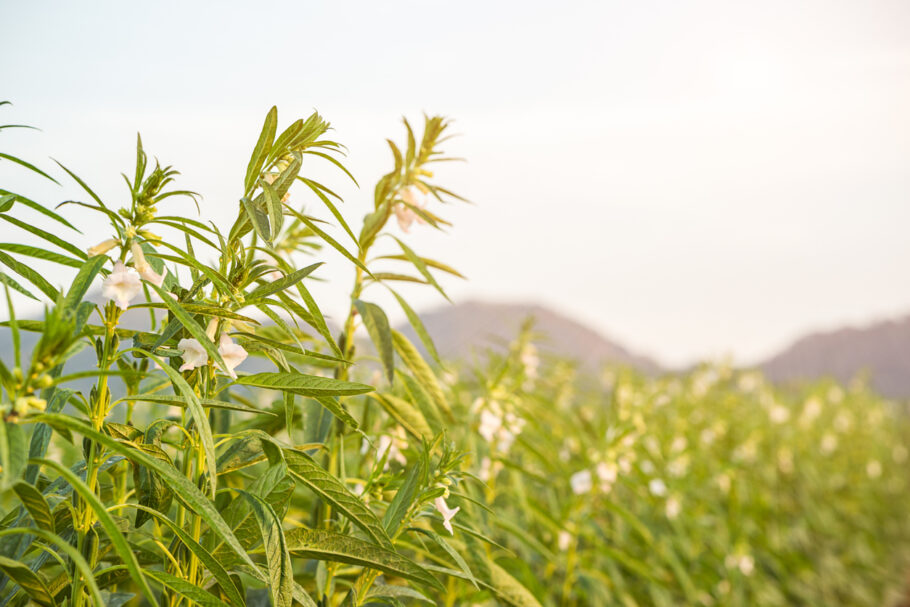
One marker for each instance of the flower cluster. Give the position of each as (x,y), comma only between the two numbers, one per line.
(499,425)
(404,209)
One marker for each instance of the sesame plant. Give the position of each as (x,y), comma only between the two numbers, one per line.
(712,487)
(229,449)
(189,427)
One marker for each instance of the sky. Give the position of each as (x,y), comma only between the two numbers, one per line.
(691,179)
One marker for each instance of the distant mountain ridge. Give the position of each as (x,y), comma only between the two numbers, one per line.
(881,349)
(471,326)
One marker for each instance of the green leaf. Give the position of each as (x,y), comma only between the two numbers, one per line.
(152,490)
(273,206)
(404,497)
(418,326)
(65,547)
(261,151)
(29,166)
(38,207)
(121,546)
(337,409)
(46,236)
(406,414)
(442,543)
(329,546)
(12,453)
(258,219)
(184,489)
(432,263)
(196,594)
(36,505)
(323,235)
(281,573)
(377,324)
(215,568)
(31,275)
(282,284)
(11,283)
(421,370)
(509,589)
(82,282)
(420,265)
(30,582)
(305,385)
(423,401)
(387,591)
(41,254)
(305,470)
(318,190)
(180,401)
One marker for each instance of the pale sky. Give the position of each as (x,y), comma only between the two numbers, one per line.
(692,179)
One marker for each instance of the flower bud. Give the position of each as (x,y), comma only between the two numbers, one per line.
(103,247)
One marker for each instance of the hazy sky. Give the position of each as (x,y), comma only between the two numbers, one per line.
(690,178)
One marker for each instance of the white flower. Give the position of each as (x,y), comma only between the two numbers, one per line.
(874,469)
(233,354)
(811,410)
(581,482)
(723,481)
(673,507)
(779,414)
(405,216)
(679,444)
(607,473)
(447,513)
(625,463)
(657,487)
(143,267)
(490,424)
(194,355)
(746,564)
(405,213)
(678,466)
(121,285)
(829,444)
(387,443)
(102,247)
(707,436)
(564,539)
(530,361)
(843,422)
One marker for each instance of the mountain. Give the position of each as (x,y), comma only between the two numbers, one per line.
(464,328)
(881,350)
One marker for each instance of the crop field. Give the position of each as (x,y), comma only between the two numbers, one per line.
(362,468)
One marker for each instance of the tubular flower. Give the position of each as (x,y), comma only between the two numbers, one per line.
(142,266)
(404,211)
(102,247)
(581,482)
(121,285)
(447,513)
(194,355)
(233,354)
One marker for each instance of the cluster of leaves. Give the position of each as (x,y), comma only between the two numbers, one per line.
(710,488)
(186,482)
